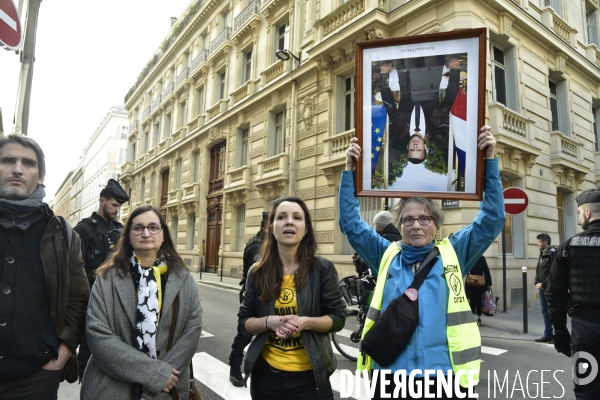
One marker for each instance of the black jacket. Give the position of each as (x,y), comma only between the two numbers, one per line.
(95,243)
(543,266)
(320,296)
(391,233)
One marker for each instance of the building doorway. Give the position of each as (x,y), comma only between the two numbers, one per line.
(214,209)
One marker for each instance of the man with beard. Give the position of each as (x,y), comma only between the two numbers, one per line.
(576,270)
(44,289)
(99,233)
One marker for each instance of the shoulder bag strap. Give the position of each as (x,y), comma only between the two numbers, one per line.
(424,268)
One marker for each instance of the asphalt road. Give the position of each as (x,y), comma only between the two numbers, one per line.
(511,369)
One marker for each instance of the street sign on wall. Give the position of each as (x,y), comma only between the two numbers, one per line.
(515,200)
(10,26)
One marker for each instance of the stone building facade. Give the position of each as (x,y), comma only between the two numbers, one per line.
(219,126)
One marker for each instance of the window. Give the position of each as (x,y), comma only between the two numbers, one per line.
(152,185)
(130,152)
(282,36)
(226,18)
(220,86)
(145,142)
(591,18)
(504,75)
(122,152)
(346,104)
(122,131)
(155,133)
(143,189)
(554,105)
(247,69)
(167,127)
(182,114)
(559,105)
(241,156)
(369,207)
(173,228)
(196,164)
(200,101)
(205,42)
(277,139)
(190,231)
(240,227)
(567,215)
(556,5)
(178,174)
(499,75)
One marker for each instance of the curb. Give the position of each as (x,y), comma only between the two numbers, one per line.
(218,284)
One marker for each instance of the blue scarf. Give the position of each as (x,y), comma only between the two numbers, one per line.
(411,255)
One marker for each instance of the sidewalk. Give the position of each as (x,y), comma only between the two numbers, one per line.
(508,325)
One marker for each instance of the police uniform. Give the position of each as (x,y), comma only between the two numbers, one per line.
(574,288)
(98,237)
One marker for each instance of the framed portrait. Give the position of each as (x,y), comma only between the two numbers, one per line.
(420,106)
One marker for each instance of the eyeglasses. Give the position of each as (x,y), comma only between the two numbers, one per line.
(424,220)
(153,228)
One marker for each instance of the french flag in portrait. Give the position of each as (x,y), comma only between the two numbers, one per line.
(458,124)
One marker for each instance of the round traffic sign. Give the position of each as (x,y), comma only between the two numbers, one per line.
(515,200)
(10,26)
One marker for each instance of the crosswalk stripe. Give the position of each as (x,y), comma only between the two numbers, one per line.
(206,334)
(492,351)
(215,375)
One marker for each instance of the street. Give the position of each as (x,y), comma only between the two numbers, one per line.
(511,369)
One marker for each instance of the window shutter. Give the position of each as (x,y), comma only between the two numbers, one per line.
(518,223)
(341,89)
(512,95)
(593,21)
(570,215)
(563,108)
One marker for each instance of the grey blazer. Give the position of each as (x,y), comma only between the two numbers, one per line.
(117,366)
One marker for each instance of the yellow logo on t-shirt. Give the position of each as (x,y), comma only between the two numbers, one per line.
(286,354)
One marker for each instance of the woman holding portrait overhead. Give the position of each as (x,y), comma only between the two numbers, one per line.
(291,302)
(446,337)
(140,291)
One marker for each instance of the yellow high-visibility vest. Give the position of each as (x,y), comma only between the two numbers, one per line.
(464,340)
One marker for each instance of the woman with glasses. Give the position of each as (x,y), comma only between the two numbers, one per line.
(291,302)
(130,314)
(433,346)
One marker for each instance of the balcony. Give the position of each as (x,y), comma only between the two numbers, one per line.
(134,126)
(273,176)
(181,77)
(145,113)
(217,109)
(553,21)
(243,91)
(191,191)
(566,160)
(167,91)
(246,14)
(155,103)
(334,154)
(126,171)
(237,188)
(339,17)
(199,60)
(274,71)
(218,43)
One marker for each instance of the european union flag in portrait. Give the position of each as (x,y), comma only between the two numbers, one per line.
(378,118)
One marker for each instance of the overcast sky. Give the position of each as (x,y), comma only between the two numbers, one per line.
(88,55)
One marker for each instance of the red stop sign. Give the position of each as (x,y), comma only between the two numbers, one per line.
(10,25)
(515,200)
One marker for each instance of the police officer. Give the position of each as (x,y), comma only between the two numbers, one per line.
(99,233)
(576,272)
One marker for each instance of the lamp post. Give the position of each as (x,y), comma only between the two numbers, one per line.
(285,54)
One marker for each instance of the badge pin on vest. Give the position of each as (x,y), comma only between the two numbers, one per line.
(412,294)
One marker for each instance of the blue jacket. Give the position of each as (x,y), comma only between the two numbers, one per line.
(428,348)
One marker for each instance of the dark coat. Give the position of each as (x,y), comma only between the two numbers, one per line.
(391,233)
(480,268)
(117,366)
(320,296)
(543,266)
